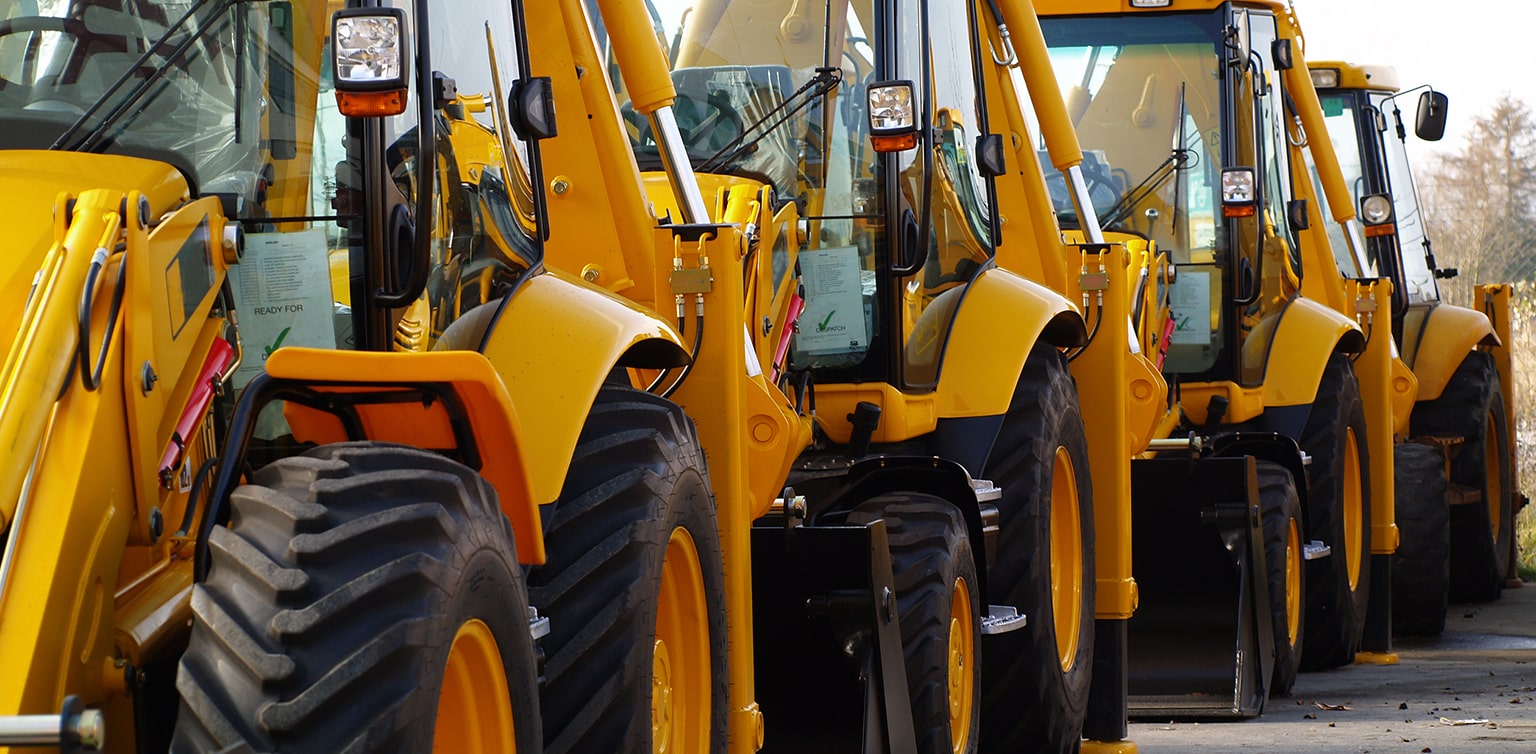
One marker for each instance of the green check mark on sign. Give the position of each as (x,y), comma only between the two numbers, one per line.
(822,325)
(279,342)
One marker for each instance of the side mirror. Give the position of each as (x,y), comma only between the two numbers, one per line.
(990,156)
(368,61)
(1430,124)
(1239,192)
(1243,41)
(1280,52)
(892,116)
(532,106)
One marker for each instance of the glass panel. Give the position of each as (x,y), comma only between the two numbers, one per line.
(1418,279)
(1343,122)
(761,97)
(485,231)
(960,238)
(199,109)
(1145,93)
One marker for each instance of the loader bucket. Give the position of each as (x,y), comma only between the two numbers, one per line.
(830,670)
(1201,642)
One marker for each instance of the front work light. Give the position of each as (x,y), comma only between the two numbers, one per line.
(892,116)
(1325,78)
(1376,214)
(368,60)
(1239,196)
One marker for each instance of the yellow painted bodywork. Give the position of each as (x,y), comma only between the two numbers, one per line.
(1378,369)
(551,389)
(980,368)
(1496,300)
(1307,335)
(1437,338)
(97,577)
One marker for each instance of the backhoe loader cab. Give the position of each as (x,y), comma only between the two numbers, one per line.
(1194,116)
(1463,406)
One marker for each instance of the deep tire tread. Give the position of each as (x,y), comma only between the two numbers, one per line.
(1335,613)
(930,547)
(1028,702)
(309,633)
(1421,565)
(637,471)
(1479,561)
(1278,506)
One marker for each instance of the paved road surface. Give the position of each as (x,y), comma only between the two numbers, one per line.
(1471,690)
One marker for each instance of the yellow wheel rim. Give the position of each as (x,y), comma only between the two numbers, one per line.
(1292,581)
(474,709)
(962,666)
(1066,558)
(680,677)
(1492,467)
(1354,510)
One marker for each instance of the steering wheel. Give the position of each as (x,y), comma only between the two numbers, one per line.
(28,24)
(1103,190)
(706,125)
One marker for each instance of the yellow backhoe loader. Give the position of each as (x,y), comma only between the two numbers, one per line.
(1456,517)
(288,536)
(1193,116)
(881,151)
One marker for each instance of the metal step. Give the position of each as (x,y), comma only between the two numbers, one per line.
(1001,619)
(1315,550)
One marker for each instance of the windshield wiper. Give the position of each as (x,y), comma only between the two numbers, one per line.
(825,80)
(92,139)
(1180,158)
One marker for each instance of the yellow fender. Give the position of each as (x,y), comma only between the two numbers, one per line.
(1444,336)
(1308,333)
(493,421)
(980,368)
(554,344)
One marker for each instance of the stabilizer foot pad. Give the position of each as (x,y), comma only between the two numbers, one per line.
(1376,658)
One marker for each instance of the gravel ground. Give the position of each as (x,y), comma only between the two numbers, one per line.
(1472,689)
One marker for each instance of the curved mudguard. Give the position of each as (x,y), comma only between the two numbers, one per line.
(1200,643)
(998,323)
(1445,336)
(1307,335)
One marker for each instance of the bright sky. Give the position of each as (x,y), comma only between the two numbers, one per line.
(1472,50)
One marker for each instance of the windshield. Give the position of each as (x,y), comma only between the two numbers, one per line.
(758,102)
(1418,278)
(161,79)
(1144,93)
(1344,125)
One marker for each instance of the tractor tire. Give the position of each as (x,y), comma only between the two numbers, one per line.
(936,601)
(365,598)
(1472,407)
(634,585)
(1280,513)
(1339,514)
(1421,567)
(1036,679)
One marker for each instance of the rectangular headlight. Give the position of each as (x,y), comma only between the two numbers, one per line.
(1150,3)
(892,109)
(1239,192)
(368,49)
(1325,78)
